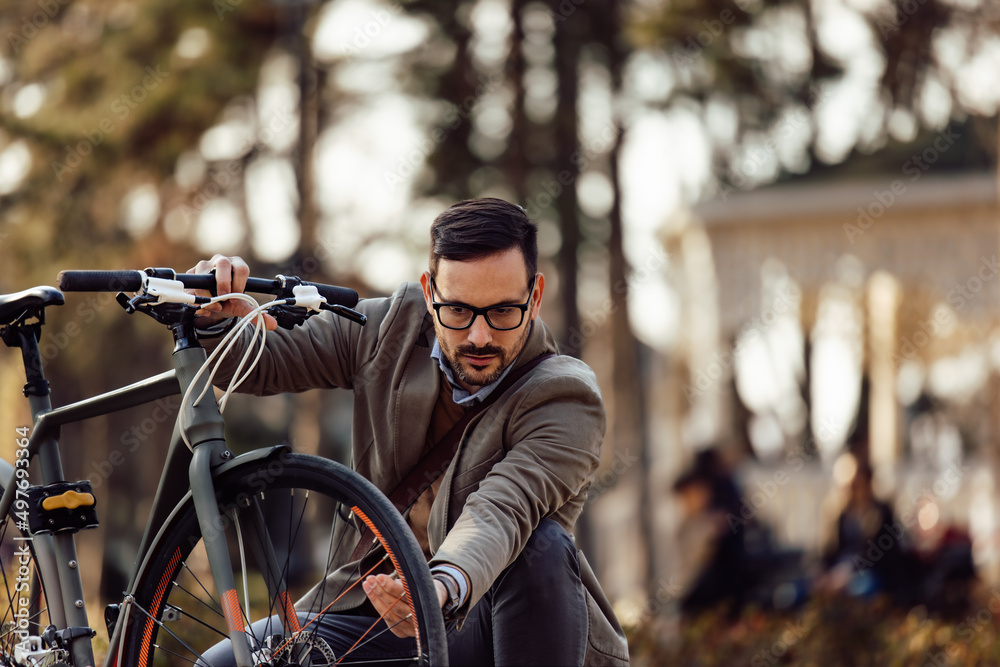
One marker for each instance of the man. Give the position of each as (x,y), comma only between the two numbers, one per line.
(496,524)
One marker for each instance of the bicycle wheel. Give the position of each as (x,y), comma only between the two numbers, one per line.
(292,523)
(23,606)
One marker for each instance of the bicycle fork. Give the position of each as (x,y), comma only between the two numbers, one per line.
(205,430)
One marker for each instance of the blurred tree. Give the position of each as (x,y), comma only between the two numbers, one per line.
(782,85)
(460,86)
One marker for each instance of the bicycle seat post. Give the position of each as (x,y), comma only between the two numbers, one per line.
(36,389)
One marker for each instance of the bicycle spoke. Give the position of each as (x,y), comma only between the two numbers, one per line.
(291,539)
(197,599)
(175,654)
(263,548)
(388,628)
(344,592)
(355,577)
(201,622)
(217,608)
(6,582)
(331,553)
(25,609)
(354,583)
(358,644)
(163,626)
(10,598)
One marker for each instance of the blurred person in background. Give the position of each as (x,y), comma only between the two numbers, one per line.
(870,550)
(942,555)
(712,550)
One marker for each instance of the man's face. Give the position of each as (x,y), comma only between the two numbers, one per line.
(479,354)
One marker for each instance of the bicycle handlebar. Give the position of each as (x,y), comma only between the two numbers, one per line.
(132,281)
(99,281)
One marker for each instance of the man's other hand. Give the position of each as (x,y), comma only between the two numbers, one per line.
(389,598)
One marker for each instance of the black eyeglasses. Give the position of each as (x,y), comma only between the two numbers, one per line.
(459,316)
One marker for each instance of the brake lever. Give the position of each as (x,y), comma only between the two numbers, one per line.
(289,317)
(345,312)
(132,304)
(165,313)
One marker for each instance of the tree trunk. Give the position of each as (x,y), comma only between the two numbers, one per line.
(567,45)
(308,131)
(515,162)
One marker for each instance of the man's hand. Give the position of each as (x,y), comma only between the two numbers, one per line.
(390,601)
(231,275)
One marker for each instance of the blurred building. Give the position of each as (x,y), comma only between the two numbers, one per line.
(848,318)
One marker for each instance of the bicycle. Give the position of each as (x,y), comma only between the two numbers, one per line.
(292,522)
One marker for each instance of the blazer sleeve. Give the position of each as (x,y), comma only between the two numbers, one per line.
(556,428)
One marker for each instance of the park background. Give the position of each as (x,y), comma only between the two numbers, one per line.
(770,226)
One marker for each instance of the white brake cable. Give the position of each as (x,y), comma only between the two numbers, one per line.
(227,343)
(225,346)
(305,295)
(237,379)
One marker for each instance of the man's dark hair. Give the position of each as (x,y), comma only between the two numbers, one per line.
(477,228)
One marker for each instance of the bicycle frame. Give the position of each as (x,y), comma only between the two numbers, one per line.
(184,468)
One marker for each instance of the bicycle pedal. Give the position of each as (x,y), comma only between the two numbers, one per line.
(60,507)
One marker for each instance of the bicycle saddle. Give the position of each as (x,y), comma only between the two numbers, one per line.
(13,305)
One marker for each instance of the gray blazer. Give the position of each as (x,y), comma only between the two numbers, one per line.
(529,456)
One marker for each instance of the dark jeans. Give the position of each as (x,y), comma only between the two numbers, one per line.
(534,614)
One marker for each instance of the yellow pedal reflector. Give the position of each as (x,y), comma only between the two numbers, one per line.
(69,500)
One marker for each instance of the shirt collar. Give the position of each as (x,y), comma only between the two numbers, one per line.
(458,393)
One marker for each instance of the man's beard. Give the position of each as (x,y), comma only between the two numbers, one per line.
(474,377)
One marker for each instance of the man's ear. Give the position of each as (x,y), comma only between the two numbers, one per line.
(536,297)
(425,283)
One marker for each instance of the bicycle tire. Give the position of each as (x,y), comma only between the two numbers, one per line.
(169,610)
(23,604)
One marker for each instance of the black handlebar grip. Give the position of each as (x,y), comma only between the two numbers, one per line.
(99,281)
(333,294)
(336,295)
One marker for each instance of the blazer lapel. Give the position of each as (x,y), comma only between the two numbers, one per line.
(414,404)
